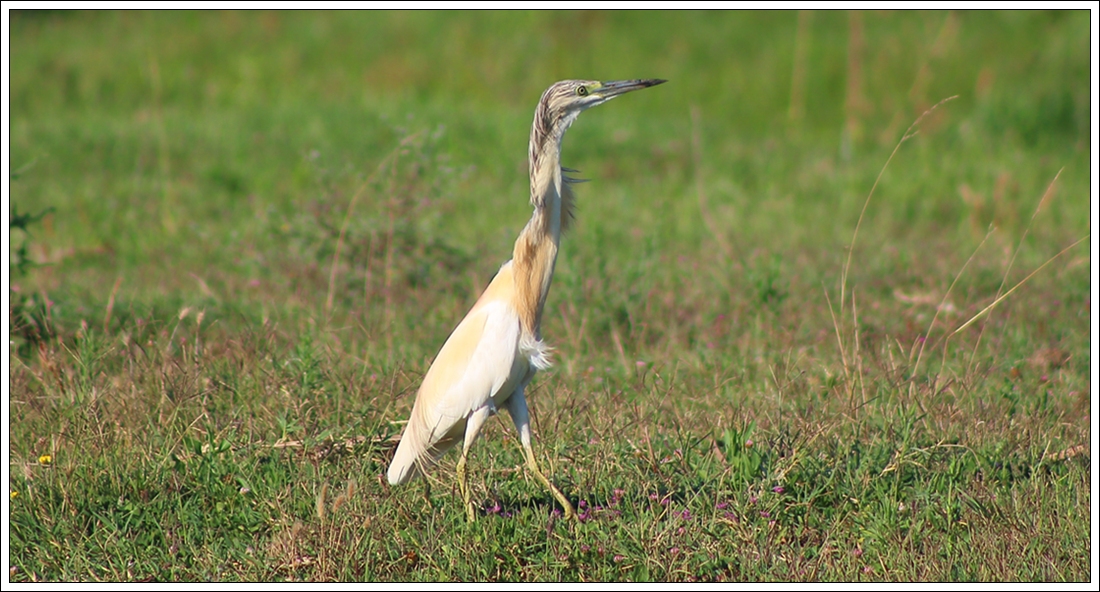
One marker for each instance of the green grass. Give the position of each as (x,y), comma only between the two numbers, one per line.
(198,393)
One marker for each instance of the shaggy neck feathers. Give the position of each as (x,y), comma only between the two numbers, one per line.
(536,249)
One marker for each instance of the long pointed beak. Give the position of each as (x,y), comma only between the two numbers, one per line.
(615,88)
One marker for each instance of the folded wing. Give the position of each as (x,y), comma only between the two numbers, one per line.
(478,365)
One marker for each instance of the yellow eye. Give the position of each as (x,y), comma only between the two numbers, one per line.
(582,91)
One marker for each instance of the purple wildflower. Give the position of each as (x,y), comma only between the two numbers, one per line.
(585,513)
(778,489)
(722,506)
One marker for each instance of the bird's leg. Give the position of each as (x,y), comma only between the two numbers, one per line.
(473,426)
(517,407)
(464,485)
(558,495)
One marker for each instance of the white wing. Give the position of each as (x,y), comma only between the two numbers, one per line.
(492,372)
(478,365)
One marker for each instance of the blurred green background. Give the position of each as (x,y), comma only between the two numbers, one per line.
(166,139)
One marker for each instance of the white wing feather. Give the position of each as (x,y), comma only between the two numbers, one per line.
(463,378)
(492,373)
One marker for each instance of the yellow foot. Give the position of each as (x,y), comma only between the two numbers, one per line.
(567,508)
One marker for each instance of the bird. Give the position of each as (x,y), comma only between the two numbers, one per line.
(491,356)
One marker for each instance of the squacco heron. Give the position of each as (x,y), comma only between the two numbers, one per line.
(491,356)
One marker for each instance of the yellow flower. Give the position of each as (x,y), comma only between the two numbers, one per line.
(45,459)
(14,494)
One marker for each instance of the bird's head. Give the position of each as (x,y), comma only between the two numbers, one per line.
(574,96)
(565,100)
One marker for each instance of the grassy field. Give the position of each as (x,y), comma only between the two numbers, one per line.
(239,239)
